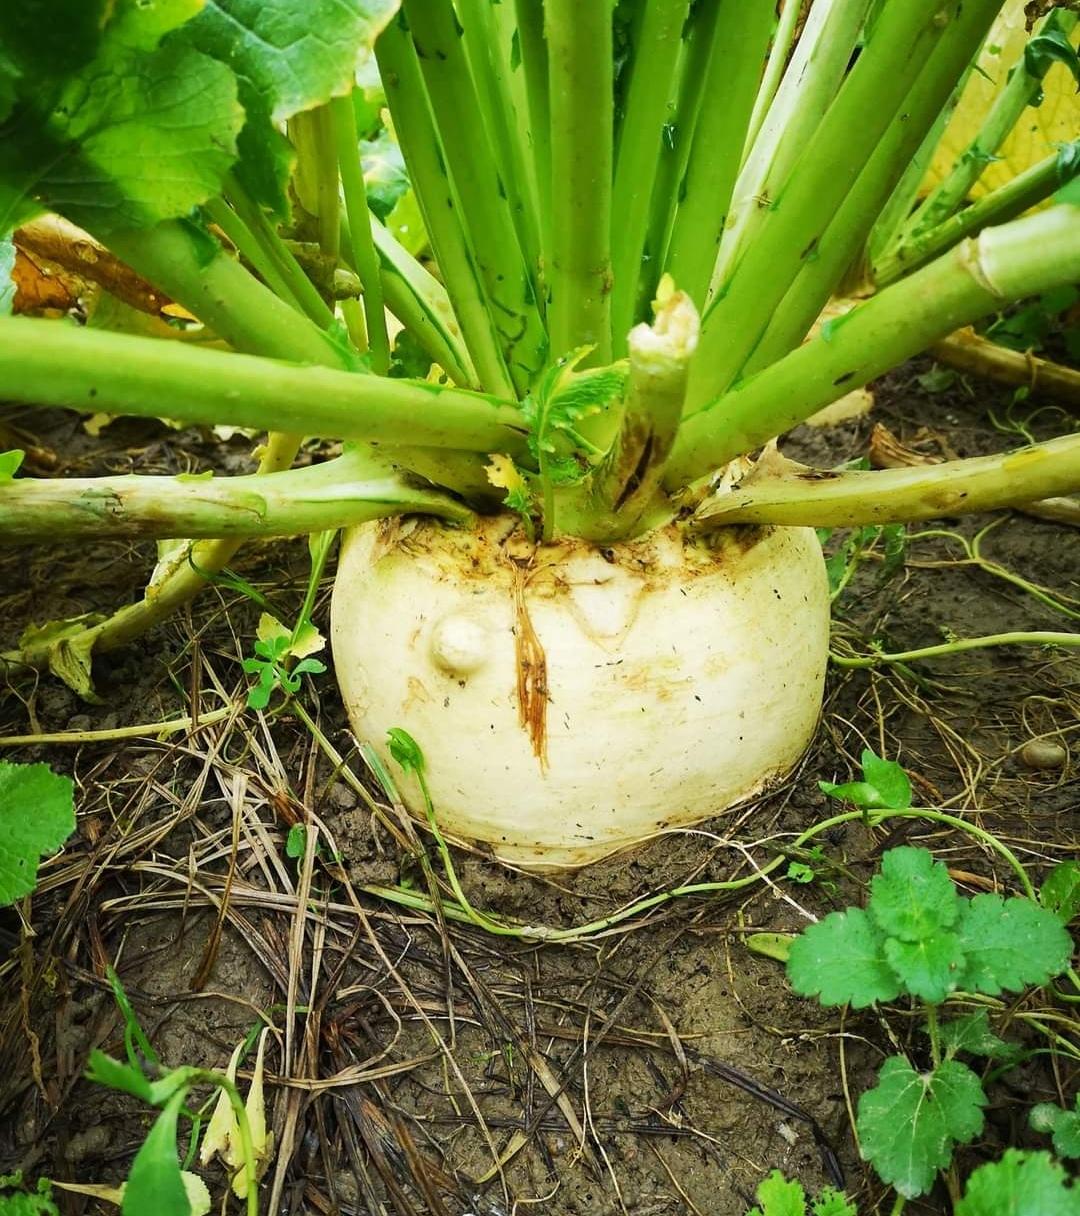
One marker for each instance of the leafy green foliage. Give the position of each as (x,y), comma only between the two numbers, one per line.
(37,814)
(972,1034)
(885,785)
(385,176)
(272,663)
(1020,1184)
(1060,893)
(1009,944)
(118,126)
(10,463)
(910,1121)
(404,750)
(887,540)
(840,960)
(14,1201)
(777,1196)
(912,897)
(563,398)
(1063,1125)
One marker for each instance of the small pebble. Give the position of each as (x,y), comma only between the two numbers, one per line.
(1042,754)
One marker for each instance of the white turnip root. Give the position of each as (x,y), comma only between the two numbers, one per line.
(572,700)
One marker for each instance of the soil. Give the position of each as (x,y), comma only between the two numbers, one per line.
(418,1067)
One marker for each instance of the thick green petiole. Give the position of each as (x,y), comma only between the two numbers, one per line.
(343,120)
(1024,257)
(658,41)
(791,494)
(43,363)
(479,189)
(337,494)
(580,75)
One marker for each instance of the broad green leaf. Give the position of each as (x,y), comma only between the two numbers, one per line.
(833,1203)
(928,969)
(777,1196)
(840,960)
(1020,1184)
(7,270)
(155,1183)
(889,779)
(1063,1125)
(913,896)
(910,1122)
(135,134)
(385,176)
(972,1033)
(37,814)
(289,56)
(1060,893)
(9,464)
(1010,944)
(296,841)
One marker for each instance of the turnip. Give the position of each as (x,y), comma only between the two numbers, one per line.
(579,574)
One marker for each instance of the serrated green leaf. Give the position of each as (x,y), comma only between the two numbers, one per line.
(972,1033)
(841,960)
(1010,944)
(777,1196)
(913,896)
(910,1122)
(1063,1125)
(1020,1184)
(37,814)
(289,56)
(155,1183)
(929,968)
(833,1203)
(27,1203)
(1060,893)
(134,134)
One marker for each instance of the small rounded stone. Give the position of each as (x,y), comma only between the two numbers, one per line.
(460,645)
(1042,754)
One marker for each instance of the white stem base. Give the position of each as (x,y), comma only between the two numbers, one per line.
(681,678)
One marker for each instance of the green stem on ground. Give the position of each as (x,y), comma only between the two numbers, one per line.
(479,186)
(1023,89)
(794,495)
(297,502)
(845,234)
(410,108)
(343,119)
(960,646)
(741,36)
(657,44)
(902,38)
(48,364)
(1025,257)
(580,75)
(1018,195)
(775,68)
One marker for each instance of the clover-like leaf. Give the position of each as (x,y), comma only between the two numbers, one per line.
(928,968)
(841,960)
(1020,1184)
(910,1122)
(37,814)
(913,896)
(1010,944)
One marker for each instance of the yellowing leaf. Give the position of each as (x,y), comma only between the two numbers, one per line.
(308,640)
(270,627)
(504,474)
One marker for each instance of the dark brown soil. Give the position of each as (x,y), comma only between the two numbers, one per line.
(682,1067)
